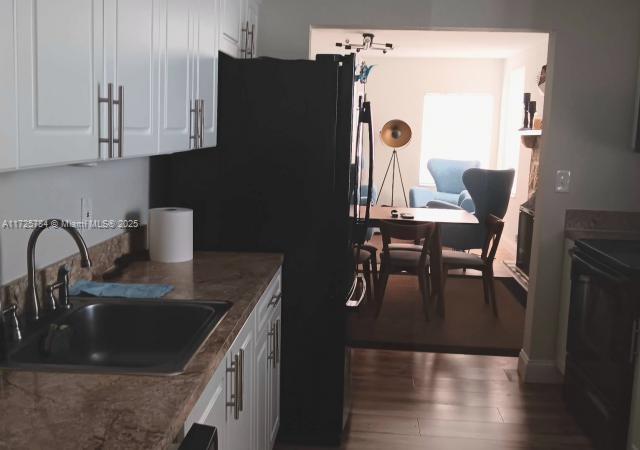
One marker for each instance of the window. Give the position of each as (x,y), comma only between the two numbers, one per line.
(511,121)
(456,126)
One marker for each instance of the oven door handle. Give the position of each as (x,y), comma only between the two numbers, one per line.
(592,269)
(351,301)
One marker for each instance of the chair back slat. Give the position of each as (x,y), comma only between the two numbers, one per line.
(494,228)
(417,232)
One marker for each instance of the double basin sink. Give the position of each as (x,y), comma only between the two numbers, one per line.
(118,335)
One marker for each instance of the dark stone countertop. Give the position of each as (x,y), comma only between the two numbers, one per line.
(72,410)
(588,224)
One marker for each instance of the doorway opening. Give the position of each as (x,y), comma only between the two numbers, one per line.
(464,96)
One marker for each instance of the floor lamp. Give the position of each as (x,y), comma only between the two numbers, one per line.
(395,134)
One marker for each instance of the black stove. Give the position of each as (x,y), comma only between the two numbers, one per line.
(603,338)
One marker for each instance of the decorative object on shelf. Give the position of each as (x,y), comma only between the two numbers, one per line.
(532,112)
(363,75)
(542,79)
(367,44)
(395,134)
(537,124)
(527,100)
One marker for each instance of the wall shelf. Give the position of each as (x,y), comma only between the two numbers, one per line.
(530,137)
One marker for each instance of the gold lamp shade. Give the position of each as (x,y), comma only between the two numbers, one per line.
(396,133)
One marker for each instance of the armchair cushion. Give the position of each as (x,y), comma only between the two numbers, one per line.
(420,196)
(439,204)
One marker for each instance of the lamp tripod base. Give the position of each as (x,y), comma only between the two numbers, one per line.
(393,163)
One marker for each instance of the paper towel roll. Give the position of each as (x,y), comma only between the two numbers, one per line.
(170,234)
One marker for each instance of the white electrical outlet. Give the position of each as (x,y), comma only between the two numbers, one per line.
(86,208)
(563,180)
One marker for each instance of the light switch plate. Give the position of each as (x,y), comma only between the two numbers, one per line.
(563,180)
(86,208)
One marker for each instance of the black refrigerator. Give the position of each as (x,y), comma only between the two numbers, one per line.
(285,177)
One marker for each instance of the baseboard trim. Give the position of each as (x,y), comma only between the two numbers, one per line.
(538,370)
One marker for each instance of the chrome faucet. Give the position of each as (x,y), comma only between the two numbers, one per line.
(85,261)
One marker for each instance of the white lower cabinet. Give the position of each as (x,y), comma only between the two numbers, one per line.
(242,400)
(211,408)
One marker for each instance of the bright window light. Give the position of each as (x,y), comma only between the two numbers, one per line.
(512,121)
(456,126)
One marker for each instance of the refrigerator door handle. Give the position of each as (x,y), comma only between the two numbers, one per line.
(366,112)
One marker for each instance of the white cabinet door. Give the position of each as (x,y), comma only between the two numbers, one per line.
(211,408)
(59,68)
(177,30)
(274,388)
(8,119)
(262,386)
(240,428)
(232,37)
(131,56)
(207,68)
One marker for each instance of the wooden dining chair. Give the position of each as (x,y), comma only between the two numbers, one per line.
(404,260)
(452,259)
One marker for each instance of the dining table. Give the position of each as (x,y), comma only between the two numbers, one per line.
(437,216)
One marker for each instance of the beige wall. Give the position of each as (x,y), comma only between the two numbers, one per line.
(532,59)
(396,89)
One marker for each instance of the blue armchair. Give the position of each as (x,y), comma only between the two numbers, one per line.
(450,187)
(490,191)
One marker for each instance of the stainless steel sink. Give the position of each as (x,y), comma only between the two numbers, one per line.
(117,335)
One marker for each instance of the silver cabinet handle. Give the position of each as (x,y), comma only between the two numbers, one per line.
(244,48)
(120,102)
(253,38)
(235,398)
(275,299)
(241,386)
(193,124)
(201,123)
(272,354)
(109,101)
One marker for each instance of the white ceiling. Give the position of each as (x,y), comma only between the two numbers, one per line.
(430,44)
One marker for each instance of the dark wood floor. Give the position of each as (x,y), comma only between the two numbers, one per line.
(411,401)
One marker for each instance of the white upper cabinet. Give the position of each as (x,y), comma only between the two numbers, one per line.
(251,23)
(188,75)
(8,122)
(232,36)
(176,95)
(207,70)
(59,68)
(131,62)
(61,58)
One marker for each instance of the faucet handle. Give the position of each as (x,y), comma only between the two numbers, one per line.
(63,289)
(10,319)
(62,285)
